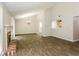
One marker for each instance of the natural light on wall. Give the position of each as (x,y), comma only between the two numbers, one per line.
(40,26)
(53,24)
(26,15)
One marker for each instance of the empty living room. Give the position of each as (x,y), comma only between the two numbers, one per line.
(39,28)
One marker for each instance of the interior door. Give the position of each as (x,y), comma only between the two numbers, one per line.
(76,28)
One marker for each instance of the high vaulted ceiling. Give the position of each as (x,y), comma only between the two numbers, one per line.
(17,8)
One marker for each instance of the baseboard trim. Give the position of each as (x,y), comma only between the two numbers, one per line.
(26,34)
(45,35)
(64,39)
(76,40)
(48,36)
(59,38)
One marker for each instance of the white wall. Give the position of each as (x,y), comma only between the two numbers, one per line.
(45,17)
(47,21)
(4,21)
(40,19)
(1,29)
(21,26)
(66,11)
(13,28)
(6,26)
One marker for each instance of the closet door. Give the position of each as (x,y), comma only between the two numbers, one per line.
(76,28)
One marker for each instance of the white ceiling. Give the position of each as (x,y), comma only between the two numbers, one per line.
(17,8)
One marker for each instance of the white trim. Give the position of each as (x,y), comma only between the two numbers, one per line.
(76,40)
(59,38)
(45,35)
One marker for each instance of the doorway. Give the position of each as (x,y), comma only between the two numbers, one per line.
(76,28)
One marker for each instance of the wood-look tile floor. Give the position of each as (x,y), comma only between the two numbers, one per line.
(34,45)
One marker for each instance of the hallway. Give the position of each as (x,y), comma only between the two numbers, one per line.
(34,45)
